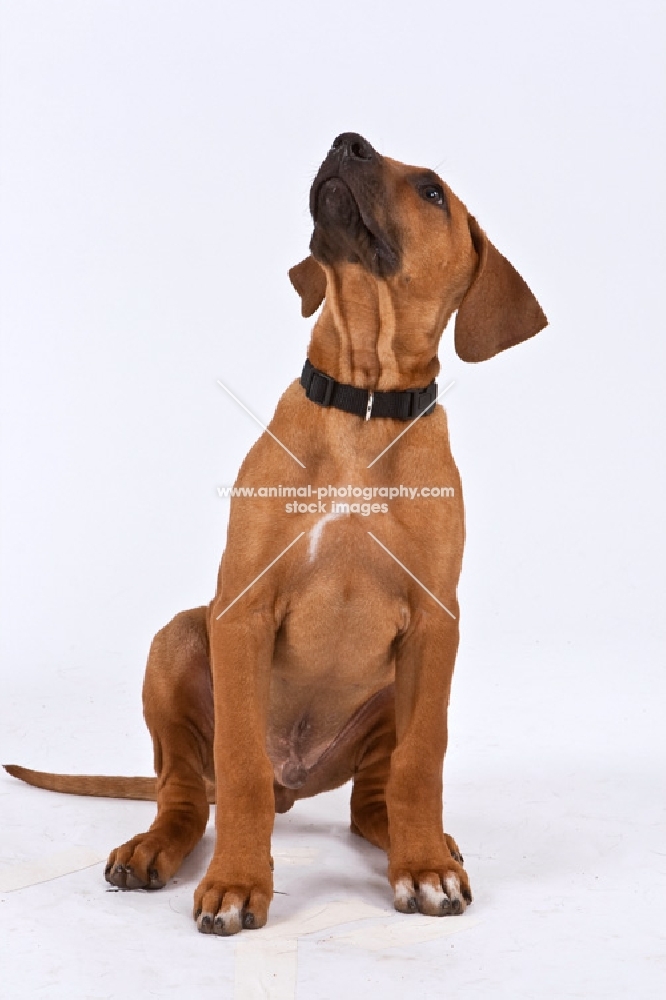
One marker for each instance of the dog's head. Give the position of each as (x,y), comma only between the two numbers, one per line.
(404,226)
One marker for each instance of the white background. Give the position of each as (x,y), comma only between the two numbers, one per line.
(155,166)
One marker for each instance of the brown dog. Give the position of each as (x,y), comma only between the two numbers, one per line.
(328,650)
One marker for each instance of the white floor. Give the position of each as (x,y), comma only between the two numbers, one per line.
(554,790)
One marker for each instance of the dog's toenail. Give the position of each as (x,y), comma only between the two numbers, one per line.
(412,904)
(445,905)
(456,906)
(154,880)
(206,922)
(248,921)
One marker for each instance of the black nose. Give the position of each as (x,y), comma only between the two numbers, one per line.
(354,146)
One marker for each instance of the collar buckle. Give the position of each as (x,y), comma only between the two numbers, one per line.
(421,399)
(322,390)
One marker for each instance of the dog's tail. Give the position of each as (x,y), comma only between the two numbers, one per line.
(104,786)
(87,784)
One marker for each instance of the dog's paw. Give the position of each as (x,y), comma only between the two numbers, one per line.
(224,906)
(454,849)
(144,862)
(442,893)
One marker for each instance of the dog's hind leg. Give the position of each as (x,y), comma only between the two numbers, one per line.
(369,817)
(178,708)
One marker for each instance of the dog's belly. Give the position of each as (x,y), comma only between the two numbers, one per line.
(314,748)
(329,687)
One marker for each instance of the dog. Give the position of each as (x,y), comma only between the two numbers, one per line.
(328,650)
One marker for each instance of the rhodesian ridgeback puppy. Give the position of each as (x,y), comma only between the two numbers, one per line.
(328,651)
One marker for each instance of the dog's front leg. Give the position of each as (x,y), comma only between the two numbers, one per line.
(422,869)
(238,886)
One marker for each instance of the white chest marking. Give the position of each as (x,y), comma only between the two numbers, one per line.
(316,532)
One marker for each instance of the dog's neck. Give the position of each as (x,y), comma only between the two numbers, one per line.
(363,336)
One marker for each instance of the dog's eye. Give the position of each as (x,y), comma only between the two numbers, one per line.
(433,193)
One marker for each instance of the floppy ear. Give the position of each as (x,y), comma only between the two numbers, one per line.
(309,280)
(498,310)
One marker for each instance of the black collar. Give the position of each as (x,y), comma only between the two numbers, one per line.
(405,405)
